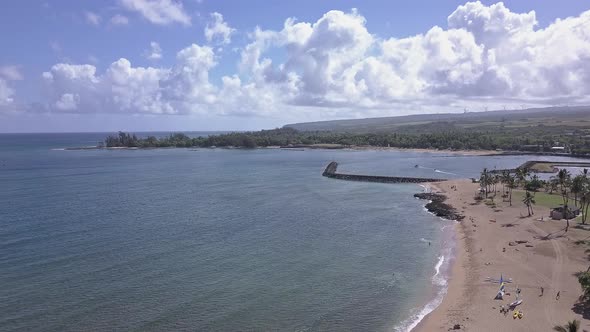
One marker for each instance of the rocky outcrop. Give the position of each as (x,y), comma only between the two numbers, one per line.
(330,169)
(438,207)
(330,172)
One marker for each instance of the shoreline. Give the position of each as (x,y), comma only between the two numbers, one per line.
(298,148)
(455,274)
(303,148)
(482,250)
(439,281)
(340,147)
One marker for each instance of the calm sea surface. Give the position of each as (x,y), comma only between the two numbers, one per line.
(216,240)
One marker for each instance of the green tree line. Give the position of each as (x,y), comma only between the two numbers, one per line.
(452,139)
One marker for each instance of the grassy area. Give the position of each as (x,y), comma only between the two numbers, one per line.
(549,166)
(541,199)
(543,167)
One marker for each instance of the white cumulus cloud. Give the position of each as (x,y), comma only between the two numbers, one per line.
(11,73)
(218,29)
(335,67)
(184,88)
(92,18)
(162,12)
(6,93)
(154,53)
(67,102)
(119,19)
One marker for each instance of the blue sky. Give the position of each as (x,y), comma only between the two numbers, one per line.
(148,64)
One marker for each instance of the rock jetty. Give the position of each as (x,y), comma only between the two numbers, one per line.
(438,207)
(330,172)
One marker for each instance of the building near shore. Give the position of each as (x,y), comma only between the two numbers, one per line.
(558,213)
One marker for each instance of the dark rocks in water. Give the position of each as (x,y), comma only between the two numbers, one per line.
(431,196)
(438,207)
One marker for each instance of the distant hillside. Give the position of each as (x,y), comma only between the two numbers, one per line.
(559,117)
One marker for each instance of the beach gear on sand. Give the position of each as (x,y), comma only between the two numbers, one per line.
(518,301)
(515,314)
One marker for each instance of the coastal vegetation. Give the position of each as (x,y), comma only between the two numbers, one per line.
(551,130)
(443,139)
(562,189)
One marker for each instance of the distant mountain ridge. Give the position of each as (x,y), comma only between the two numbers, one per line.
(532,116)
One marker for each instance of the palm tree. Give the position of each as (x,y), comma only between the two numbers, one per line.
(511,184)
(571,326)
(564,178)
(504,179)
(552,185)
(585,201)
(484,181)
(565,181)
(577,187)
(533,184)
(495,180)
(522,174)
(529,200)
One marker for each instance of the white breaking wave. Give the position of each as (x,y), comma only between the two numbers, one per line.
(437,279)
(426,188)
(439,171)
(441,282)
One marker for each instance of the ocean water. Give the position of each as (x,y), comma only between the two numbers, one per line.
(217,240)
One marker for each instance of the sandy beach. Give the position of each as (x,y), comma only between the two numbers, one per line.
(549,260)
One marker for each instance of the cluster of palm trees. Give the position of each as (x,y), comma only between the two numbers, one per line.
(488,182)
(568,186)
(575,188)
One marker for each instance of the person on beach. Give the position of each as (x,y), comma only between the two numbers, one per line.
(542,290)
(557,297)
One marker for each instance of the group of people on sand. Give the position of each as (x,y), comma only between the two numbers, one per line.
(519,313)
(556,296)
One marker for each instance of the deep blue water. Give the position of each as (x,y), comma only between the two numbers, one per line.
(213,239)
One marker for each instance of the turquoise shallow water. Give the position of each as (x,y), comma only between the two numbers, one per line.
(221,240)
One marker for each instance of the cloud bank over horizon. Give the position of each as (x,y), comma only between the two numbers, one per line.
(331,68)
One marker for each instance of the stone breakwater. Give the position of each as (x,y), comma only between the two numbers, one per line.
(438,207)
(330,172)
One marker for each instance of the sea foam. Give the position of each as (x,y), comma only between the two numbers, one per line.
(440,284)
